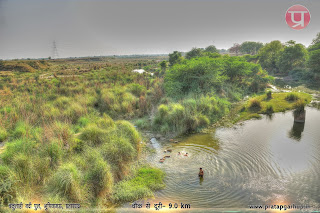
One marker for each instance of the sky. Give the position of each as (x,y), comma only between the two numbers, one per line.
(104,27)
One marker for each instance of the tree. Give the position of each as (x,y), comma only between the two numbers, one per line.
(293,56)
(195,75)
(250,47)
(195,52)
(314,61)
(269,54)
(314,53)
(175,58)
(316,40)
(163,65)
(314,47)
(235,48)
(211,49)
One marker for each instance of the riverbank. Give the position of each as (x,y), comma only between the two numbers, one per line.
(246,164)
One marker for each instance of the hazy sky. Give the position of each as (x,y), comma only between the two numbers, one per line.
(97,27)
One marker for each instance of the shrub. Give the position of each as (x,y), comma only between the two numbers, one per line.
(163,110)
(3,134)
(137,89)
(254,104)
(177,111)
(292,96)
(203,120)
(142,123)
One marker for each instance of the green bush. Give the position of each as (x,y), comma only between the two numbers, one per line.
(177,112)
(203,120)
(142,123)
(137,89)
(163,110)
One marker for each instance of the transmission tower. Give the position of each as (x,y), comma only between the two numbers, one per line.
(54,51)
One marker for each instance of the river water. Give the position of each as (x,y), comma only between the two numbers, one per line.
(269,161)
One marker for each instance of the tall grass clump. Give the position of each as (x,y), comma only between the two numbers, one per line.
(98,174)
(119,152)
(269,109)
(54,152)
(269,95)
(140,186)
(299,106)
(66,182)
(3,134)
(105,122)
(292,97)
(92,134)
(254,104)
(7,185)
(20,130)
(127,130)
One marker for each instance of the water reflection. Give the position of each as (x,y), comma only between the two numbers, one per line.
(298,124)
(200,180)
(269,116)
(296,131)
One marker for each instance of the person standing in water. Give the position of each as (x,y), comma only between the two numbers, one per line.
(201,173)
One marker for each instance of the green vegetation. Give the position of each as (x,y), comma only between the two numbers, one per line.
(66,125)
(139,186)
(280,102)
(64,136)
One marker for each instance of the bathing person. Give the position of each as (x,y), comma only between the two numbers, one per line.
(201,173)
(179,153)
(186,154)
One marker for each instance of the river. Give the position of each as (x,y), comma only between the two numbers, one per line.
(268,161)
